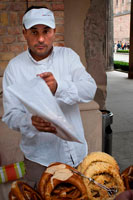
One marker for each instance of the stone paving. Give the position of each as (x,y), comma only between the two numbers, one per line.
(120,102)
(121,57)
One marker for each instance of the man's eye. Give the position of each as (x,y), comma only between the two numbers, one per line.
(46,31)
(34,32)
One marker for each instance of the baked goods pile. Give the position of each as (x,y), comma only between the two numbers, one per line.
(104,169)
(22,191)
(127,176)
(59,182)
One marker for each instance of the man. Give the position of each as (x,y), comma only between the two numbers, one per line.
(68,81)
(126,195)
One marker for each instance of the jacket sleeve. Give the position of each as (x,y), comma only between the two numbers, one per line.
(16,116)
(79,86)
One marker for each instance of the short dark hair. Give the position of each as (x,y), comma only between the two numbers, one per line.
(35,7)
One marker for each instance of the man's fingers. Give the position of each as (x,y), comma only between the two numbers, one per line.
(46,129)
(45,74)
(41,124)
(50,80)
(38,119)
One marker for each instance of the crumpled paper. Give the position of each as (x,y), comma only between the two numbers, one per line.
(38,99)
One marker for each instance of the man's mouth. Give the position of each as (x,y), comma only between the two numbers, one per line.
(41,46)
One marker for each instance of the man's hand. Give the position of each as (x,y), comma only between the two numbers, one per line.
(126,195)
(50,80)
(42,125)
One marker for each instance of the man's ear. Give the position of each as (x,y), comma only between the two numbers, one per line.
(24,33)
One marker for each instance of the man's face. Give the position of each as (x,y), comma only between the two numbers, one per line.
(40,40)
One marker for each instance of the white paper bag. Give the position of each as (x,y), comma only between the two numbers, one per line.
(38,99)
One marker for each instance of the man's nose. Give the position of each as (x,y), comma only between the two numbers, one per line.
(41,38)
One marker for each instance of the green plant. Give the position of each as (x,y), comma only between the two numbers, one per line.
(122,51)
(120,65)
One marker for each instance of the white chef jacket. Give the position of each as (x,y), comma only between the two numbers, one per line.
(74,85)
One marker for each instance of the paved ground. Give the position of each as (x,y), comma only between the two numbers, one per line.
(120,102)
(121,57)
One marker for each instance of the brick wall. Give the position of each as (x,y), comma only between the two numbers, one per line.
(12,41)
(121,9)
(123,6)
(122,28)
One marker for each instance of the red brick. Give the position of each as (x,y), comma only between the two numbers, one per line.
(59,29)
(14,30)
(24,1)
(59,13)
(17,6)
(20,17)
(4,19)
(3,65)
(3,6)
(58,0)
(13,18)
(20,38)
(36,1)
(58,6)
(3,30)
(59,21)
(8,39)
(17,48)
(6,56)
(31,1)
(3,47)
(59,44)
(59,37)
(48,5)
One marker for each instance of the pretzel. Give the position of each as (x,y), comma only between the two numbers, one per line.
(97,157)
(59,182)
(105,174)
(22,191)
(127,176)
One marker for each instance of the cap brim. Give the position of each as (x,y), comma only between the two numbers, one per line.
(29,24)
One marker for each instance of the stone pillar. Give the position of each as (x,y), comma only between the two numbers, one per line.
(95,47)
(74,15)
(109,36)
(98,34)
(130,74)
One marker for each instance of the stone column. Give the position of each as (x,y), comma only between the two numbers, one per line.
(109,35)
(130,74)
(97,34)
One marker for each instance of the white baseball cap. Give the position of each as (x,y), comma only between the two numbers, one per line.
(39,16)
